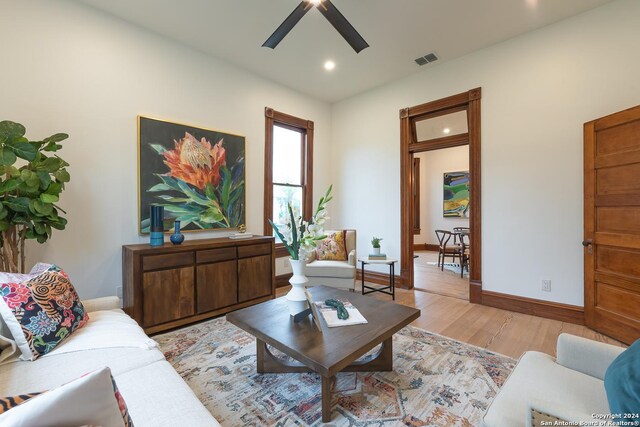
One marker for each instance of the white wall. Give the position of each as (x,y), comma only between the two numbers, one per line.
(537,91)
(433,164)
(69,68)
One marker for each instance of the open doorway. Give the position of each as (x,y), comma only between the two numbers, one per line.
(438,125)
(442,215)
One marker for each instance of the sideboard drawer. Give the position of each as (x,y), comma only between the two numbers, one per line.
(216,255)
(254,250)
(156,262)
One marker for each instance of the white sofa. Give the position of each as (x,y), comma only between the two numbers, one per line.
(569,387)
(337,274)
(154,393)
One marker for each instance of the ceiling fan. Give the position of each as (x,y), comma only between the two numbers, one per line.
(330,12)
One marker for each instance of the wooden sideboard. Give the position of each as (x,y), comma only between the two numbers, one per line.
(169,286)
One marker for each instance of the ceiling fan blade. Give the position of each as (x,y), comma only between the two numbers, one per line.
(287,25)
(343,26)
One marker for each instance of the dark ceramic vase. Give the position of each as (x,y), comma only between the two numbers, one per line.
(177,237)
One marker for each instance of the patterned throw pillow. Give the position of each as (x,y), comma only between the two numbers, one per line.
(333,247)
(41,311)
(91,397)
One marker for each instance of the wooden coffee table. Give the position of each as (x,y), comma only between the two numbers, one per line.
(336,349)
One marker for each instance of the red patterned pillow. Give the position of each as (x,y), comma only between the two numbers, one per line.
(333,247)
(41,311)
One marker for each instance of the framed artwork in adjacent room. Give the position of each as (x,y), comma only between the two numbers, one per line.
(456,195)
(197,174)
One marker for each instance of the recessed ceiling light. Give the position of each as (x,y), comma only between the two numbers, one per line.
(329,65)
(446,131)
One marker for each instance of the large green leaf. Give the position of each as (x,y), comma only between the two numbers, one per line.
(24,150)
(45,179)
(4,225)
(17,204)
(210,191)
(56,138)
(49,198)
(172,199)
(54,188)
(7,156)
(177,209)
(51,164)
(9,185)
(62,175)
(11,130)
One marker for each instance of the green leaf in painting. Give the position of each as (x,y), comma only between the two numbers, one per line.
(158,148)
(226,188)
(159,187)
(210,191)
(212,216)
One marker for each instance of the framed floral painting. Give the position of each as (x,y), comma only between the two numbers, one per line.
(197,174)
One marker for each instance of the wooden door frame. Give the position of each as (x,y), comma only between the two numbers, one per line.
(469,101)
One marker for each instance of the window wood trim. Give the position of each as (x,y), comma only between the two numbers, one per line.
(276,117)
(416,195)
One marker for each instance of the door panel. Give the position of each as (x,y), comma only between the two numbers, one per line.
(254,277)
(217,285)
(168,295)
(612,224)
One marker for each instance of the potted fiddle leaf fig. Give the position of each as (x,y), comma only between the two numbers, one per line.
(32,176)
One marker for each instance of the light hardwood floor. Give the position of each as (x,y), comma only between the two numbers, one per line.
(430,278)
(498,330)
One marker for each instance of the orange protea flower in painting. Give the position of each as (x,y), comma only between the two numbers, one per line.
(196,162)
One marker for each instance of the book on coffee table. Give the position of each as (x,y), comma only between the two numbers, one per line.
(330,314)
(377,257)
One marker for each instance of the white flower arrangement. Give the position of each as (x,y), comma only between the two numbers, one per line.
(300,236)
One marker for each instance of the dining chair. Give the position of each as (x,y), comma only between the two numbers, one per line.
(463,252)
(444,248)
(457,231)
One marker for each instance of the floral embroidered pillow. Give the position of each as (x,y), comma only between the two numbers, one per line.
(333,247)
(41,311)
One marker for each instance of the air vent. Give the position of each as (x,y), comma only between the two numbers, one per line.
(429,57)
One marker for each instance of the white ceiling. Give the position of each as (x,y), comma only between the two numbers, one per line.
(397,30)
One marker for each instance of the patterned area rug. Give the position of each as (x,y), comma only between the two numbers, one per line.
(436,382)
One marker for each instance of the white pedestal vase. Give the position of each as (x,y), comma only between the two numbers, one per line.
(296,298)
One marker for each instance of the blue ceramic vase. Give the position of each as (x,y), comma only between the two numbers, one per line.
(177,237)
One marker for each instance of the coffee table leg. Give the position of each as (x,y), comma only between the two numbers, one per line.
(326,398)
(260,349)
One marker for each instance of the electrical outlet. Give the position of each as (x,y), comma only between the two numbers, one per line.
(119,292)
(546,285)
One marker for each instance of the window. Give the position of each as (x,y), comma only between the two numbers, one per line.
(288,170)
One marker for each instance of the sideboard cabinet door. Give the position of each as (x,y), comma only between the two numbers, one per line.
(217,285)
(254,277)
(168,295)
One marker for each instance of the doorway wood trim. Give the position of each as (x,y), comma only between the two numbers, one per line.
(470,101)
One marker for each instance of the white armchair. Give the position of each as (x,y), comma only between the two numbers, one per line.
(543,389)
(337,274)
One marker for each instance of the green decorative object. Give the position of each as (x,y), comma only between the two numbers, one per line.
(29,192)
(343,314)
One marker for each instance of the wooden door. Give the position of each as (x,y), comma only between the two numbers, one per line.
(168,295)
(217,285)
(612,224)
(254,277)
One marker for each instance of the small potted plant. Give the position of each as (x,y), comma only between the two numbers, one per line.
(375,242)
